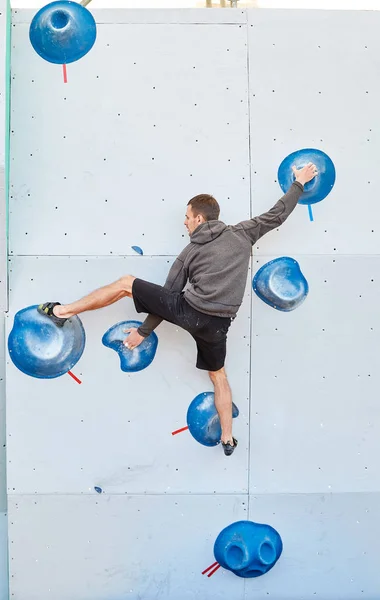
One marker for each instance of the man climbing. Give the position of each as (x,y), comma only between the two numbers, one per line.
(204,288)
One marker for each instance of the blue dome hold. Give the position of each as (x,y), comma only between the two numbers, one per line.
(203,419)
(248,549)
(318,188)
(281,284)
(131,360)
(41,349)
(62,32)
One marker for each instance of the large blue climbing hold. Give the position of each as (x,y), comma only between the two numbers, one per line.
(281,284)
(62,32)
(130,360)
(318,188)
(41,349)
(203,420)
(248,549)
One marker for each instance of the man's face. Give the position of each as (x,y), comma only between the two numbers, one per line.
(191,221)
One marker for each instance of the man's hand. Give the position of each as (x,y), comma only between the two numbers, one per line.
(305,174)
(134,339)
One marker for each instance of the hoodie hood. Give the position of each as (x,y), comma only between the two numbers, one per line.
(207,232)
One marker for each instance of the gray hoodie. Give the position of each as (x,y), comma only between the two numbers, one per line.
(214,265)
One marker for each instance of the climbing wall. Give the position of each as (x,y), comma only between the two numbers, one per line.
(3,494)
(102,163)
(4,22)
(4,17)
(166,105)
(315,418)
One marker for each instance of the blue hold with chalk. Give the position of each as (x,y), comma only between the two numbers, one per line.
(62,32)
(281,284)
(131,360)
(203,420)
(40,349)
(318,188)
(248,549)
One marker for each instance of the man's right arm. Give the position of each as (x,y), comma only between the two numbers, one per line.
(175,282)
(258,226)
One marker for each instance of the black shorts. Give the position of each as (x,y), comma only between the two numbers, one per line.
(209,333)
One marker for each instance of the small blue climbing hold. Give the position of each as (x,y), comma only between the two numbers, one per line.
(131,360)
(318,188)
(98,490)
(248,549)
(41,349)
(62,32)
(203,419)
(137,249)
(281,284)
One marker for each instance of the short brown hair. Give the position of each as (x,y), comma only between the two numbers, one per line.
(205,205)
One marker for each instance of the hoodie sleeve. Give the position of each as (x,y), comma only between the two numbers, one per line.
(258,226)
(175,282)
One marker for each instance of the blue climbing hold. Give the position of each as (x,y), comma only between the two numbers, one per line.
(41,349)
(248,549)
(131,360)
(281,284)
(318,188)
(62,32)
(203,419)
(137,249)
(98,489)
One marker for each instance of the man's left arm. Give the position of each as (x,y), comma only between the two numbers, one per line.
(175,282)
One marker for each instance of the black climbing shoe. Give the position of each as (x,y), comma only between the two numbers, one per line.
(229,448)
(47,310)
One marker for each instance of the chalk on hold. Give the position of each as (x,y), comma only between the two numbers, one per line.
(248,549)
(203,420)
(130,360)
(40,349)
(281,284)
(137,249)
(62,32)
(318,188)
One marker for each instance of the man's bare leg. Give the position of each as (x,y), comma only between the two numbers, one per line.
(98,299)
(223,403)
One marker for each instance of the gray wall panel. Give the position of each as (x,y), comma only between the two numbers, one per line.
(3,484)
(3,300)
(314,403)
(313,83)
(120,547)
(3,141)
(173,125)
(331,546)
(343,291)
(156,16)
(4,587)
(114,430)
(3,494)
